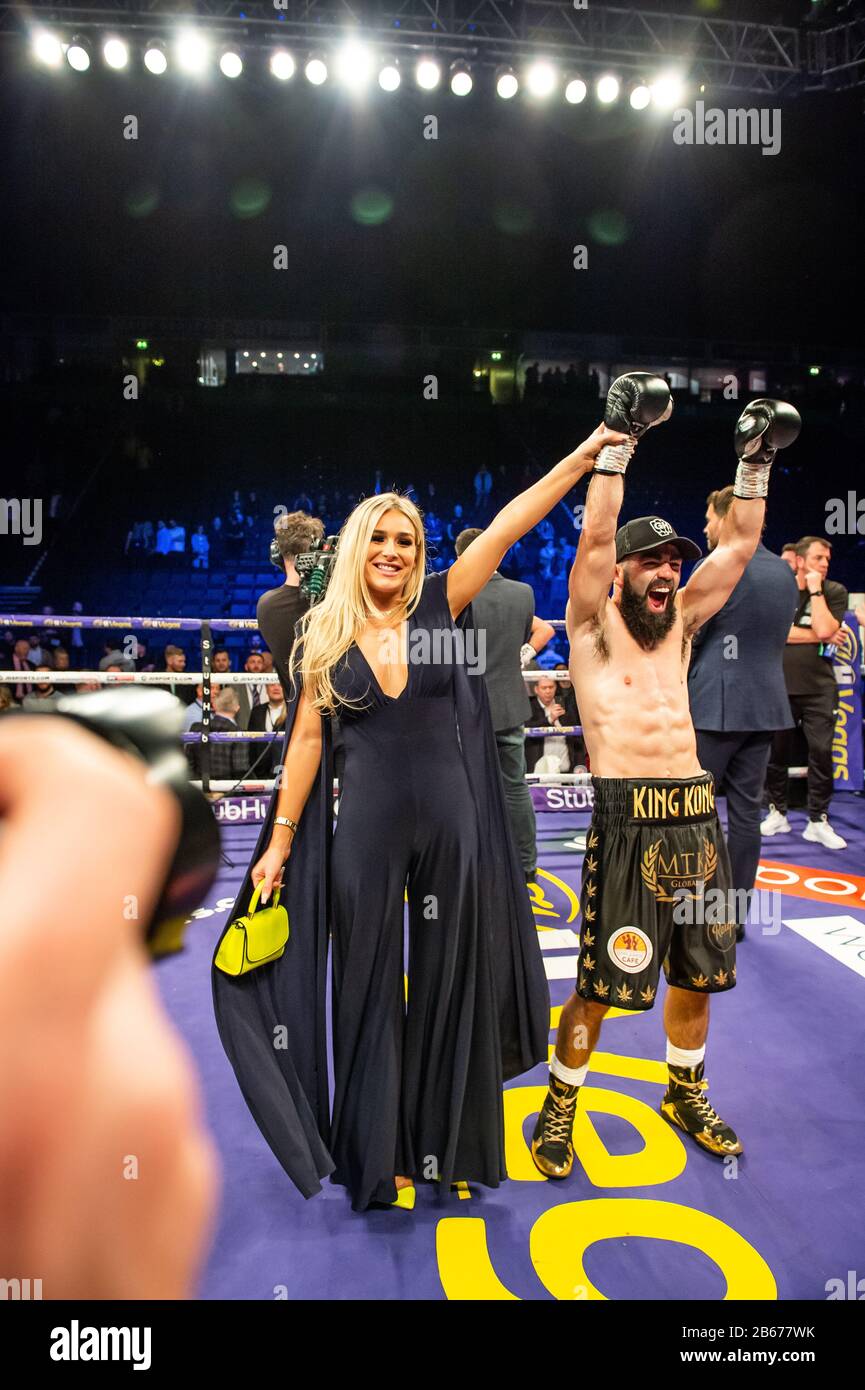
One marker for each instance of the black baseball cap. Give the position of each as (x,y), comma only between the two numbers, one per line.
(647,533)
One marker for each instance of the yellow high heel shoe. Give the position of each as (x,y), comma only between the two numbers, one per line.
(405,1198)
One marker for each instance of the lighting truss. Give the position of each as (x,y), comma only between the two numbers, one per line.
(726,55)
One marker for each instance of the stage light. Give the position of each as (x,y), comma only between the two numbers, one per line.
(47,49)
(78,54)
(461,79)
(389,78)
(541,79)
(354,65)
(116,53)
(507,84)
(668,91)
(282,65)
(575,91)
(155,58)
(316,70)
(607,89)
(428,74)
(230,63)
(193,52)
(640,96)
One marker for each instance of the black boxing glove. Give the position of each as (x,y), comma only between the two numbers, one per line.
(635,403)
(762,429)
(147,723)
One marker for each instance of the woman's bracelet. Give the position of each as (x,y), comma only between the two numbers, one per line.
(286,820)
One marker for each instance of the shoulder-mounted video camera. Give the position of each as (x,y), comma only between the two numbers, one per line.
(315,567)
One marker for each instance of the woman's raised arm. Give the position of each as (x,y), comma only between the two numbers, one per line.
(471,571)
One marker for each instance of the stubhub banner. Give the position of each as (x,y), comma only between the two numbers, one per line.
(252,810)
(566,797)
(242,809)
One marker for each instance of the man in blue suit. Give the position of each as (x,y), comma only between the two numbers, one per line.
(737,692)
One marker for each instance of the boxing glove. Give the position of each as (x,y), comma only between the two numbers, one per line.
(762,429)
(635,403)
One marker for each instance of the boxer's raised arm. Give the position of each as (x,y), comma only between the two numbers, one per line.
(477,564)
(635,403)
(764,427)
(595,564)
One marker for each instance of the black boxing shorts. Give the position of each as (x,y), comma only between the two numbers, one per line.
(656,888)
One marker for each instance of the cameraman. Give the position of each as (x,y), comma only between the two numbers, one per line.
(279,609)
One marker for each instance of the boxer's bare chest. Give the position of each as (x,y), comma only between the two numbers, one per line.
(631,697)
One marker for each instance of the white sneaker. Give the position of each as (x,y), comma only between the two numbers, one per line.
(578,842)
(776,823)
(820,832)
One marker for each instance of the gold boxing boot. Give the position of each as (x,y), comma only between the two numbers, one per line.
(552,1141)
(686,1107)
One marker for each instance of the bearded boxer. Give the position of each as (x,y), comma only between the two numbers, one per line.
(655,845)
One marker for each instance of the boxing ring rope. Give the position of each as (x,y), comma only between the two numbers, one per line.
(101,622)
(206,678)
(160,678)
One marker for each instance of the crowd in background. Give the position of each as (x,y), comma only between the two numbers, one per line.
(575,383)
(255,707)
(260,706)
(245,525)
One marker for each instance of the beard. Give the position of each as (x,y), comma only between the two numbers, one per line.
(647,629)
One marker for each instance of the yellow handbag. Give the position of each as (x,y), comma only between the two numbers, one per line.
(254,940)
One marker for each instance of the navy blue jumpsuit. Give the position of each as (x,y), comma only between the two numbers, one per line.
(417,1083)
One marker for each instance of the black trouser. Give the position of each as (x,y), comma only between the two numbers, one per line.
(737,762)
(816,714)
(511,745)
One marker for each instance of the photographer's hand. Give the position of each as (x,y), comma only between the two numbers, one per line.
(107,1175)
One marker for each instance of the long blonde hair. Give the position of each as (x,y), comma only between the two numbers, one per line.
(329,628)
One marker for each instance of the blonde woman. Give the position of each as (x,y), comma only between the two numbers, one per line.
(418,1065)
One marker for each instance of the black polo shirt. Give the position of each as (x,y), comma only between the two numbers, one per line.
(277,612)
(806,672)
